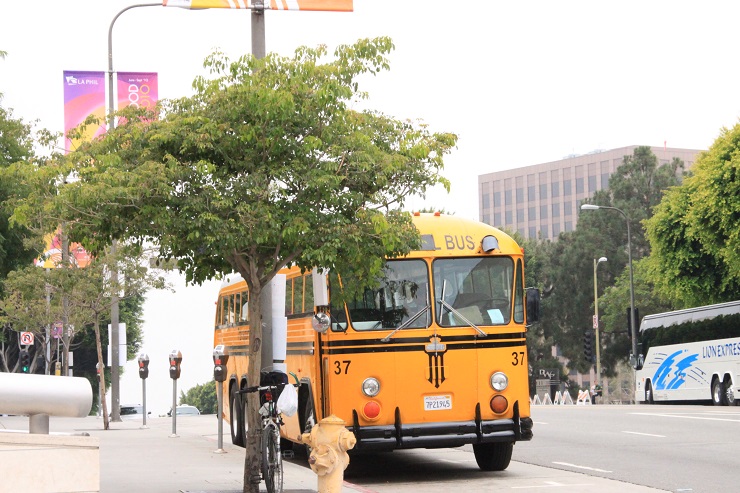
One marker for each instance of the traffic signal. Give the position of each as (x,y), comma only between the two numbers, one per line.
(588,345)
(25,360)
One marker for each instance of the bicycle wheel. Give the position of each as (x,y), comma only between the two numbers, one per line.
(272,460)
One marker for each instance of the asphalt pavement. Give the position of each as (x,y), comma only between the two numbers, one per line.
(150,459)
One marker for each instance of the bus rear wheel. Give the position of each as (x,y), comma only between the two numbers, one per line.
(236,417)
(493,456)
(718,393)
(729,392)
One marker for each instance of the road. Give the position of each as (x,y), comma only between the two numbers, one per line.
(676,448)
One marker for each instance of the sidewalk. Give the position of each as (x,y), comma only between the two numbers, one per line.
(148,460)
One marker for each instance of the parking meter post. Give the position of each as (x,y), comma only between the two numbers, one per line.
(220,358)
(175,361)
(143,374)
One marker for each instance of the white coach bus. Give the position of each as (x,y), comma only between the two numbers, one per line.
(690,365)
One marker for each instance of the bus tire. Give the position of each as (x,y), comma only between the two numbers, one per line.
(729,392)
(493,456)
(649,397)
(718,393)
(236,417)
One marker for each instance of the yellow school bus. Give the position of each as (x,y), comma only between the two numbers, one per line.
(434,356)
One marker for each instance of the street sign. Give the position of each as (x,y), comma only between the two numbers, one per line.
(27,338)
(56,330)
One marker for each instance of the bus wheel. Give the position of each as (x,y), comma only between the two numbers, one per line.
(236,417)
(493,456)
(649,398)
(718,394)
(729,393)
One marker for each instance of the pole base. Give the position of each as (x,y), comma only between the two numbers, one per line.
(220,451)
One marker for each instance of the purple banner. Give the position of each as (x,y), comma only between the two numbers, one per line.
(84,95)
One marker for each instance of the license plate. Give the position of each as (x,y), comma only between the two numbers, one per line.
(437,402)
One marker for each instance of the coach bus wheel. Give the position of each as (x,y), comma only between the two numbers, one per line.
(236,417)
(493,456)
(729,393)
(649,398)
(718,397)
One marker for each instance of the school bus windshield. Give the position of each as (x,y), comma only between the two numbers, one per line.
(402,292)
(478,289)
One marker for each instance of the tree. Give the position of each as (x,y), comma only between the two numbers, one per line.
(636,187)
(35,298)
(266,166)
(202,396)
(694,230)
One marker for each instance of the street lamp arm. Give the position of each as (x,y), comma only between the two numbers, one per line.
(110,52)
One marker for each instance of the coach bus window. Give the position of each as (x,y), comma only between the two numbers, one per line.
(477,289)
(401,293)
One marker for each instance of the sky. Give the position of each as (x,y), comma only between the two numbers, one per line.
(520,82)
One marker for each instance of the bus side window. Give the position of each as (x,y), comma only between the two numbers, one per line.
(219,311)
(289,296)
(245,306)
(232,310)
(308,302)
(519,294)
(298,294)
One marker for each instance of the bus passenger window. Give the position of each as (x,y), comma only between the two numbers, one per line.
(245,306)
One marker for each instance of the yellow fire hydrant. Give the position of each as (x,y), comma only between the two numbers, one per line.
(329,441)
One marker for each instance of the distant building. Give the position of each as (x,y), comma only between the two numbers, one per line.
(543,200)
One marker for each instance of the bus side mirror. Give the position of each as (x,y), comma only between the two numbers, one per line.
(533,305)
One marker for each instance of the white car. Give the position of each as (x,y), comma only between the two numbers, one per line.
(185,410)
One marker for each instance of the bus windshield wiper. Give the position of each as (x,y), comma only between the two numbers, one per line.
(407,323)
(462,317)
(444,304)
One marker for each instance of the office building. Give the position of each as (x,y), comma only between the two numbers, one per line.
(543,200)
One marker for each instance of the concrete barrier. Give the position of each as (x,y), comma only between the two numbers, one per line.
(41,396)
(70,463)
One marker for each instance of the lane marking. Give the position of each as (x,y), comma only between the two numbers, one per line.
(550,484)
(580,467)
(686,417)
(643,434)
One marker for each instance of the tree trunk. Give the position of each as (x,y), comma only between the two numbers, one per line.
(254,423)
(101,375)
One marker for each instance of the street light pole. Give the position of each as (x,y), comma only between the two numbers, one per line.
(114,309)
(633,321)
(596,322)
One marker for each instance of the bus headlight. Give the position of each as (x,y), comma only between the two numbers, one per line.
(499,381)
(371,387)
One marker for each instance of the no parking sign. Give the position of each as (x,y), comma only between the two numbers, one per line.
(27,338)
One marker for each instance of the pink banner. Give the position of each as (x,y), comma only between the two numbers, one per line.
(138,89)
(84,95)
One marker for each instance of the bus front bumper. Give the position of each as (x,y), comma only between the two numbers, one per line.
(440,434)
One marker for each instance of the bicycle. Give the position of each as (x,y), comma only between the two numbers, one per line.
(271,462)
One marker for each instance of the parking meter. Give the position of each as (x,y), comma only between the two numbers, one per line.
(220,358)
(175,360)
(143,365)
